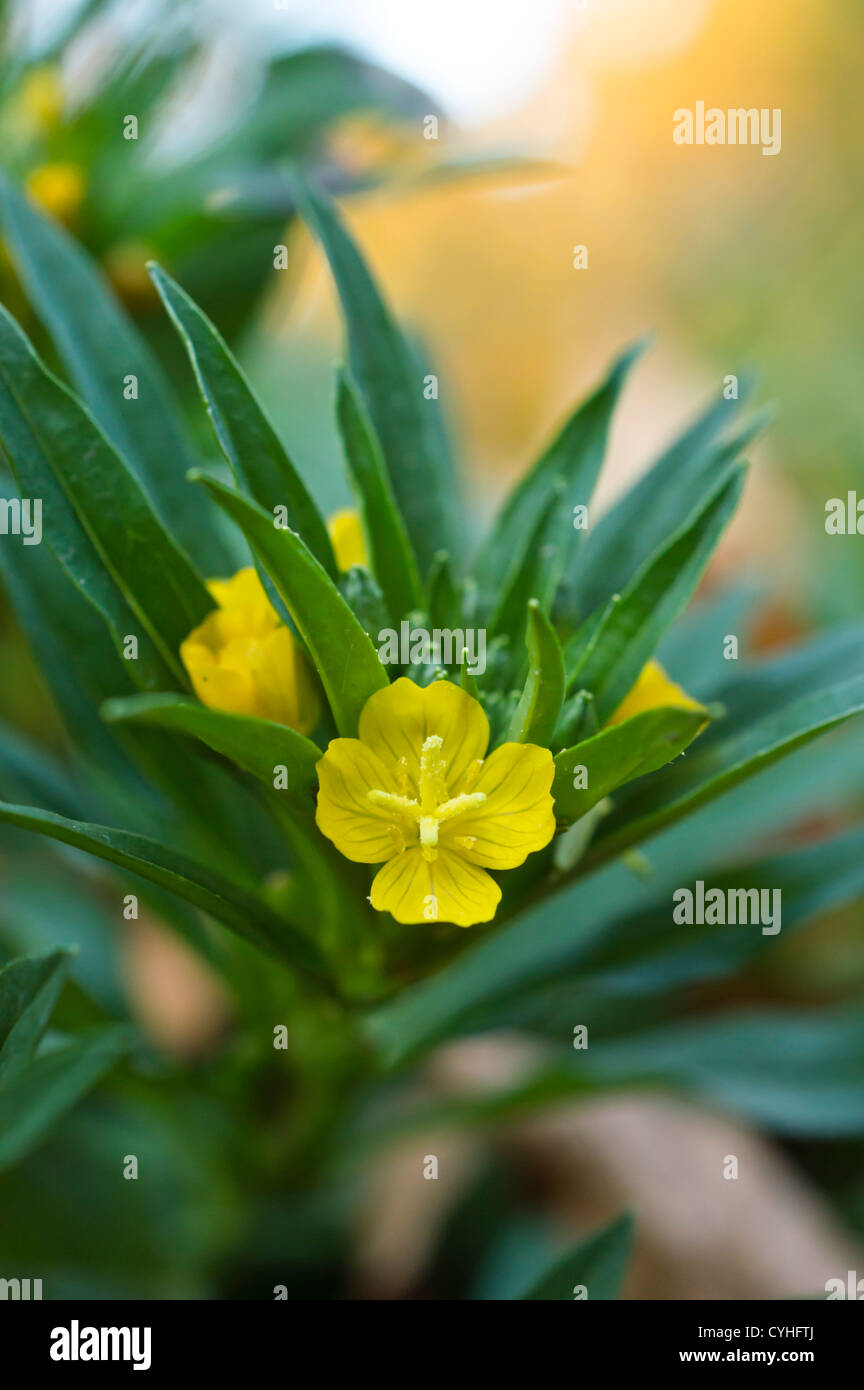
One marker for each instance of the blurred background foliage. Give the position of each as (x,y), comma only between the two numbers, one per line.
(739,262)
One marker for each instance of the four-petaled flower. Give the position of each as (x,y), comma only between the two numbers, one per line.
(416,793)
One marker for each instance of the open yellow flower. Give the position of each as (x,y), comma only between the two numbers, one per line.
(349,543)
(652,690)
(416,793)
(244,659)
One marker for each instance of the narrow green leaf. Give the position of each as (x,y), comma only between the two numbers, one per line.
(633,627)
(227,901)
(407,425)
(343,655)
(564,476)
(619,754)
(246,437)
(720,765)
(100,346)
(29,989)
(390,550)
(96,518)
(598,1264)
(258,745)
(659,503)
(37,1097)
(536,715)
(799,1073)
(535,574)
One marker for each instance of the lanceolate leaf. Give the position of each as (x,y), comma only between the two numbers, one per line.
(658,505)
(564,475)
(257,745)
(598,1265)
(535,574)
(537,713)
(246,437)
(619,754)
(100,349)
(95,516)
(37,1097)
(223,899)
(632,628)
(29,989)
(408,426)
(345,659)
(708,772)
(392,559)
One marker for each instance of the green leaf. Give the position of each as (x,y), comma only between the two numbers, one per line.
(620,754)
(563,477)
(632,627)
(797,1073)
(258,745)
(658,505)
(407,425)
(37,1097)
(29,989)
(246,437)
(390,550)
(598,1264)
(96,518)
(536,715)
(100,346)
(722,764)
(227,901)
(536,575)
(344,657)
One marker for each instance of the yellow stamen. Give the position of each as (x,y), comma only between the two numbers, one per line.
(434,806)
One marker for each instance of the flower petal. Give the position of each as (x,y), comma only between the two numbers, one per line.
(446,889)
(653,690)
(359,829)
(346,535)
(216,686)
(517,816)
(284,687)
(396,721)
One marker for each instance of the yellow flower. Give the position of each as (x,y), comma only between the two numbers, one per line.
(349,543)
(652,690)
(243,659)
(58,188)
(416,793)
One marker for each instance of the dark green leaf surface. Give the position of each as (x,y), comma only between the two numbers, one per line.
(408,426)
(659,504)
(37,1097)
(230,903)
(632,628)
(718,766)
(258,745)
(247,439)
(619,754)
(99,347)
(29,989)
(96,518)
(598,1264)
(344,657)
(390,551)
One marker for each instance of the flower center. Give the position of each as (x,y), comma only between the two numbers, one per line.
(434,805)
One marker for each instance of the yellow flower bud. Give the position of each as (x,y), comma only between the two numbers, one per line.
(58,188)
(349,543)
(243,659)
